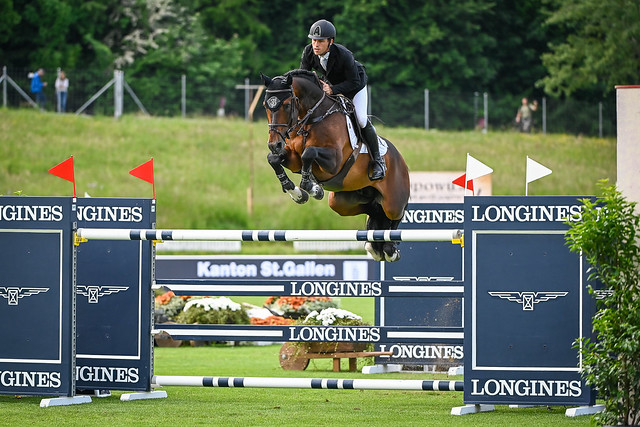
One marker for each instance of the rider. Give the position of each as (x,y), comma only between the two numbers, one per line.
(346,77)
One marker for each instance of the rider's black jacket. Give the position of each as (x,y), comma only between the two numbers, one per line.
(346,75)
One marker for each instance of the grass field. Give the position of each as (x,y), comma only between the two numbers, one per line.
(272,407)
(202,174)
(202,166)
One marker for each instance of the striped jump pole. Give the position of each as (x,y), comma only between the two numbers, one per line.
(308,383)
(271,235)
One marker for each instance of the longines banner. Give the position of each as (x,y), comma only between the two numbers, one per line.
(438,267)
(113,298)
(36,298)
(526,302)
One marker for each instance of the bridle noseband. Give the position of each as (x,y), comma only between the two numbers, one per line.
(275,127)
(301,123)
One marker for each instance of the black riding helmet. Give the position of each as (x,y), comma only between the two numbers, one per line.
(322,29)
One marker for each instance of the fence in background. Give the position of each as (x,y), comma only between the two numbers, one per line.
(188,96)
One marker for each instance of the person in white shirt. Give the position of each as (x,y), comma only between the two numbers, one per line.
(62,86)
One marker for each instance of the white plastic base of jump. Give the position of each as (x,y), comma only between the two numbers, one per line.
(472,409)
(381,369)
(583,410)
(64,401)
(156,394)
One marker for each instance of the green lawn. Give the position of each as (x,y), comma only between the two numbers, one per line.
(191,406)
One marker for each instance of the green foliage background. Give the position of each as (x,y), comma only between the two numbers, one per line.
(577,48)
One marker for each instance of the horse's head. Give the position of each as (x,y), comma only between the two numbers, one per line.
(282,107)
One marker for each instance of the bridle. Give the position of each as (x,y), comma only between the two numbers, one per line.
(299,126)
(275,127)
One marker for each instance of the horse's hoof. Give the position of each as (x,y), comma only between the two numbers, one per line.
(299,196)
(393,257)
(317,192)
(374,254)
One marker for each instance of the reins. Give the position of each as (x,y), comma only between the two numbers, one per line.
(304,121)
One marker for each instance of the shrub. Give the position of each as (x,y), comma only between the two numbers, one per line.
(213,311)
(607,236)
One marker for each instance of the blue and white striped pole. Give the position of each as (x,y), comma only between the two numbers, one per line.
(309,383)
(270,235)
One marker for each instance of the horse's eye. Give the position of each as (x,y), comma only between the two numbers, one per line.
(287,107)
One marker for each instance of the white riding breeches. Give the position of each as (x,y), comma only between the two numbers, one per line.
(360,102)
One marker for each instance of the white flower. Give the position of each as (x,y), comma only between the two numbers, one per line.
(222,303)
(329,315)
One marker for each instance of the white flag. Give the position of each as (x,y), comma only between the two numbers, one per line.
(476,169)
(535,170)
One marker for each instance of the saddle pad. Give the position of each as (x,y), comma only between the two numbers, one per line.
(354,140)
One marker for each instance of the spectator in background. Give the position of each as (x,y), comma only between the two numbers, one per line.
(37,88)
(62,86)
(524,117)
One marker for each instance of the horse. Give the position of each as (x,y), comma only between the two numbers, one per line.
(308,133)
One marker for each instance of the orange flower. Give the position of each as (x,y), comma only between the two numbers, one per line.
(271,320)
(165,298)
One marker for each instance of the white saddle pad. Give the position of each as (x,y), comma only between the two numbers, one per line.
(363,149)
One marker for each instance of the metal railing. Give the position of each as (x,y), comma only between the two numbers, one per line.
(182,95)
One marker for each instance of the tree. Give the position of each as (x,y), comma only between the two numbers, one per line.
(436,45)
(601,49)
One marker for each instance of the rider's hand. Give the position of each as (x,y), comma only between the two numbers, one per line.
(326,88)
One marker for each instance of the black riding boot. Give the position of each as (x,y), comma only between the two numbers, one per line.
(378,168)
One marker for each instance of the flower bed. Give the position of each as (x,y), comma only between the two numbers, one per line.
(219,310)
(295,307)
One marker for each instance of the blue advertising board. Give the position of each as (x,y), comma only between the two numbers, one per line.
(436,267)
(293,267)
(114,298)
(526,303)
(37,355)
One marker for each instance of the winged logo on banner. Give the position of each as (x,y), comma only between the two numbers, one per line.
(93,293)
(528,299)
(13,294)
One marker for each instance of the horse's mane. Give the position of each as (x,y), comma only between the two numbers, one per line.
(309,75)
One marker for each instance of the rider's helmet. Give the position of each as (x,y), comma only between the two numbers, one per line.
(322,29)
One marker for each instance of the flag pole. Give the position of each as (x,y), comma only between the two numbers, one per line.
(526,181)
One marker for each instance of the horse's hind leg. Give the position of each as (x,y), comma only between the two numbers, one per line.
(378,220)
(390,249)
(298,195)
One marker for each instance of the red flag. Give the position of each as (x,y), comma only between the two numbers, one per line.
(460,182)
(64,170)
(145,172)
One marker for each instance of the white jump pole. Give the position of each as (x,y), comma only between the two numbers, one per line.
(307,383)
(270,235)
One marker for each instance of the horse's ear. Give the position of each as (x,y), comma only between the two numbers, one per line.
(289,80)
(267,80)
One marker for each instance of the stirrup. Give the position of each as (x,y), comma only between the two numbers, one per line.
(380,174)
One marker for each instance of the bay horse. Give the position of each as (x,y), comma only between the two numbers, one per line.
(308,134)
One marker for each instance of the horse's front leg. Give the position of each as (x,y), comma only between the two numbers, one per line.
(298,195)
(308,182)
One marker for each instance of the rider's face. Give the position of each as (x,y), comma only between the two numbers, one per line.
(321,46)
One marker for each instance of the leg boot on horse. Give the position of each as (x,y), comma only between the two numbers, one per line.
(378,167)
